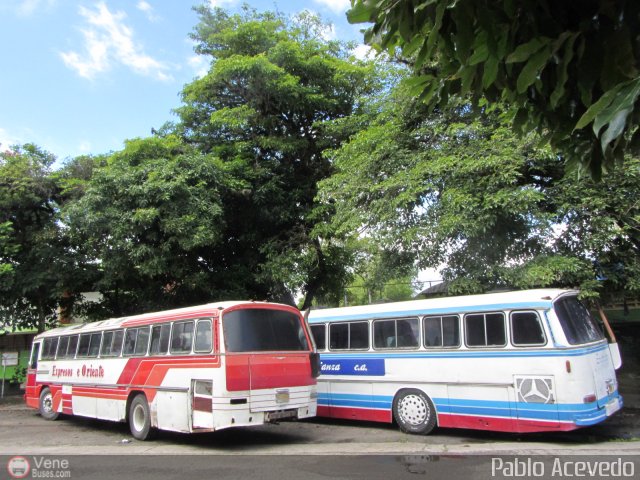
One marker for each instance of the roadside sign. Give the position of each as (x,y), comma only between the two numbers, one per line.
(9,359)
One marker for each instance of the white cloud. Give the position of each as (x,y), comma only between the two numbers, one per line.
(223,3)
(336,6)
(199,64)
(7,140)
(147,9)
(84,147)
(364,52)
(29,7)
(109,40)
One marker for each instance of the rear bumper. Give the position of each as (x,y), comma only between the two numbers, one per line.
(598,413)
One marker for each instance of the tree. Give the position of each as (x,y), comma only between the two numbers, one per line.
(263,109)
(36,263)
(569,70)
(152,217)
(460,189)
(379,275)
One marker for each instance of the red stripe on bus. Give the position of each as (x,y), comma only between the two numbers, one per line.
(350,413)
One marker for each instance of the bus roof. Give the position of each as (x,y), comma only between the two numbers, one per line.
(522,299)
(207,310)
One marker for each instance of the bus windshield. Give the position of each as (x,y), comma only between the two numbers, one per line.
(578,324)
(261,329)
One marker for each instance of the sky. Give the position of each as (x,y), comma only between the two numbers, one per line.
(81,76)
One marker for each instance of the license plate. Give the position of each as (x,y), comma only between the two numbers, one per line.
(282,396)
(271,416)
(612,407)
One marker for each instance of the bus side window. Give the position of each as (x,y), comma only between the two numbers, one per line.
(63,345)
(94,344)
(203,341)
(182,337)
(49,347)
(396,333)
(142,343)
(83,345)
(526,329)
(112,343)
(160,339)
(73,346)
(319,333)
(35,352)
(130,341)
(349,336)
(441,331)
(485,330)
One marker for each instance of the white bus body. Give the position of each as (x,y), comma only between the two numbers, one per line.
(188,370)
(524,361)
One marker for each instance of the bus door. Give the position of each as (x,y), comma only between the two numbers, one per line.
(202,403)
(31,391)
(536,400)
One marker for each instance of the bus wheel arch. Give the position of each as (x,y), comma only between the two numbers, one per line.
(45,404)
(414,411)
(139,416)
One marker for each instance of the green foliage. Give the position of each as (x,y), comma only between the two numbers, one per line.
(19,375)
(265,109)
(569,70)
(35,261)
(458,188)
(152,216)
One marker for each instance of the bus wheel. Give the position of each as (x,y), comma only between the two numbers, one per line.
(140,418)
(46,405)
(414,411)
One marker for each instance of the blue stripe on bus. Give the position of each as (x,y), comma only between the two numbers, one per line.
(486,408)
(569,352)
(317,315)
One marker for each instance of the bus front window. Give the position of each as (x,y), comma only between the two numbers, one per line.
(261,329)
(577,323)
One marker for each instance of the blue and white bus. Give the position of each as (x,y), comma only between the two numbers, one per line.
(524,361)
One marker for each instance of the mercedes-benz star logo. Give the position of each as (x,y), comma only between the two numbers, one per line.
(535,390)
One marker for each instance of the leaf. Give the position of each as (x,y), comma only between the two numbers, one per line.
(435,32)
(480,54)
(490,71)
(567,56)
(526,50)
(588,116)
(615,129)
(480,49)
(623,100)
(360,13)
(532,69)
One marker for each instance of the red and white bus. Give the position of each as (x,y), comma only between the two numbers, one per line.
(196,369)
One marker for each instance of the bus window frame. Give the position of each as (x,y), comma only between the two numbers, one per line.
(441,347)
(113,332)
(486,345)
(195,336)
(349,349)
(540,323)
(372,343)
(160,326)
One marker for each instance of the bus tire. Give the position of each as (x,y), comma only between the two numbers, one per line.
(46,405)
(414,412)
(140,418)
